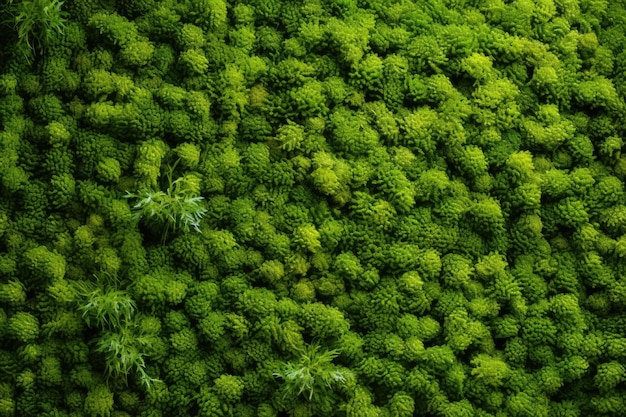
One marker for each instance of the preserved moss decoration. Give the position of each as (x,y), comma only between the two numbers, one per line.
(313,208)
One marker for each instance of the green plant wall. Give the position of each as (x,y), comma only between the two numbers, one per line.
(312,208)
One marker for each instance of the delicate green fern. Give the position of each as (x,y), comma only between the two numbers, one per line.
(176,208)
(107,308)
(122,350)
(314,371)
(110,310)
(37,22)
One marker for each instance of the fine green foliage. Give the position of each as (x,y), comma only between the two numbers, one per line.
(123,352)
(109,309)
(37,23)
(312,373)
(177,208)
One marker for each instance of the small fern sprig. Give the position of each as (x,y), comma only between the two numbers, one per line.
(103,304)
(107,308)
(177,208)
(37,22)
(313,372)
(122,350)
(110,310)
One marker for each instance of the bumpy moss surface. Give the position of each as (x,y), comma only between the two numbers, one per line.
(313,208)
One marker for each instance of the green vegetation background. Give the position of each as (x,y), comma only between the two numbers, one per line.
(359,208)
